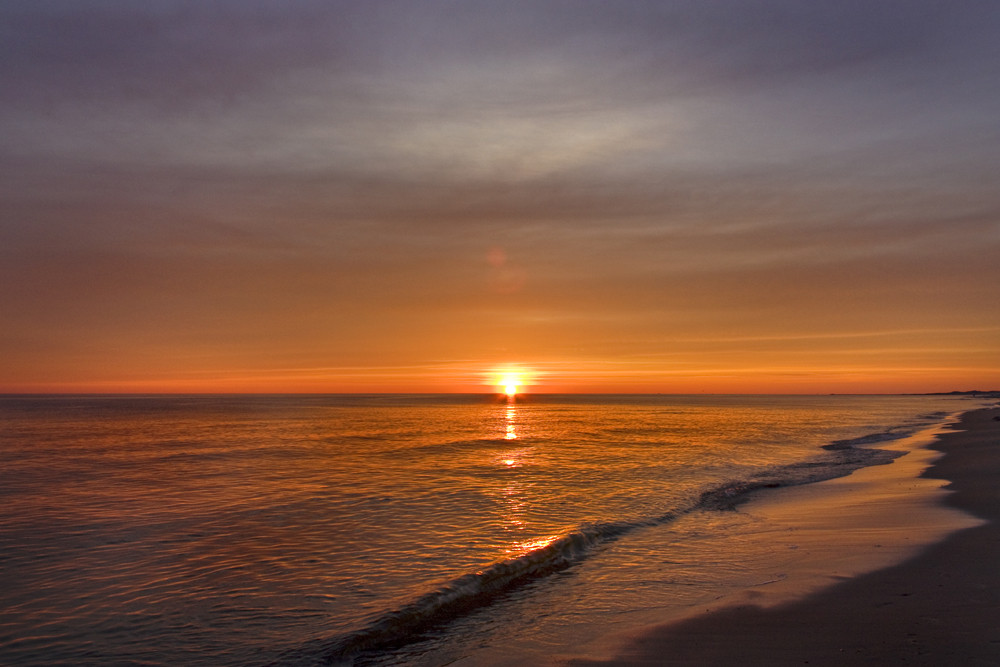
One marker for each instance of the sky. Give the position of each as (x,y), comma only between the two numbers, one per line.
(678,196)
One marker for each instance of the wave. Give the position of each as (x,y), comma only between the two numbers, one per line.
(869,439)
(896,433)
(472,591)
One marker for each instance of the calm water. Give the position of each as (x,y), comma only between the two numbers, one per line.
(250,530)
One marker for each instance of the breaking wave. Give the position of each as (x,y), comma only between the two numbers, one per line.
(472,591)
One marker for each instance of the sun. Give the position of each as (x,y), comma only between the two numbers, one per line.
(510,383)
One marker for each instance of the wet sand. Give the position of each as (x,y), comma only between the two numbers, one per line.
(940,607)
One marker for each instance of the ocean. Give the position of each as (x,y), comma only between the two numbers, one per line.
(393,529)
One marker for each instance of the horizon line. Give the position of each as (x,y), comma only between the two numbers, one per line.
(492,393)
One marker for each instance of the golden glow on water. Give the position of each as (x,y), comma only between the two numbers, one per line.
(372,500)
(511,433)
(527,546)
(514,495)
(514,509)
(514,458)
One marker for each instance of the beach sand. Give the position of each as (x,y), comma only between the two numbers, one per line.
(940,606)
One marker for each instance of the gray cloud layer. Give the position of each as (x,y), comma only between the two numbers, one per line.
(342,161)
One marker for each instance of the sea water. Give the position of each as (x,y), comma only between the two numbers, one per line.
(388,529)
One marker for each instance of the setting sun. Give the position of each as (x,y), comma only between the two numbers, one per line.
(510,380)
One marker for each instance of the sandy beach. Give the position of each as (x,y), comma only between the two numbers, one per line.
(939,607)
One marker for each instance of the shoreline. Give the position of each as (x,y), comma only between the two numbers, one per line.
(940,605)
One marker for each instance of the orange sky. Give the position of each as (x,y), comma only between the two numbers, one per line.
(610,197)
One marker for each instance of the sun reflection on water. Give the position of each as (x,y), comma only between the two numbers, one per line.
(527,546)
(513,494)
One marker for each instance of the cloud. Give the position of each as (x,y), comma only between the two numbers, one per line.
(440,87)
(318,177)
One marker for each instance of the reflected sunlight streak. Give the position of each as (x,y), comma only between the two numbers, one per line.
(511,433)
(527,546)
